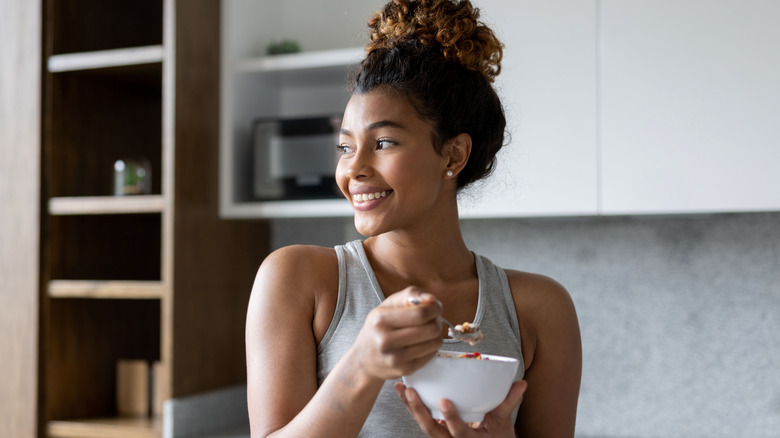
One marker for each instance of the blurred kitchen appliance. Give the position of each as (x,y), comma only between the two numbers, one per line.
(296,158)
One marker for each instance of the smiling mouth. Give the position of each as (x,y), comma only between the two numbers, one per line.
(363,197)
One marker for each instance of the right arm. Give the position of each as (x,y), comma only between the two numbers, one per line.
(286,302)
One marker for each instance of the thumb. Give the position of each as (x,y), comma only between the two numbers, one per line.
(513,399)
(410,296)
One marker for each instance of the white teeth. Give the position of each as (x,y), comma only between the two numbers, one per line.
(363,197)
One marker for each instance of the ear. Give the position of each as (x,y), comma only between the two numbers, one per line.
(457,150)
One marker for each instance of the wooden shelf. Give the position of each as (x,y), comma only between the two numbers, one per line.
(289,209)
(325,67)
(106,289)
(120,427)
(105,59)
(302,61)
(106,205)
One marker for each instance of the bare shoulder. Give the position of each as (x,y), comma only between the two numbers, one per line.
(538,292)
(545,312)
(297,285)
(296,256)
(298,265)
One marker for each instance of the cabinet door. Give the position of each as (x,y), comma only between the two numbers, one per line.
(690,106)
(548,87)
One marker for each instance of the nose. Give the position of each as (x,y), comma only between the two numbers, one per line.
(358,166)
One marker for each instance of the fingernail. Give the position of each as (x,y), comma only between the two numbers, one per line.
(414,300)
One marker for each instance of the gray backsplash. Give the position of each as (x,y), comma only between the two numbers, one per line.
(680,315)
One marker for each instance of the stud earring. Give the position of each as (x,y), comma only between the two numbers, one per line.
(449,173)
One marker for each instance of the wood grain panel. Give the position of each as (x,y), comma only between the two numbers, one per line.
(214,260)
(20,53)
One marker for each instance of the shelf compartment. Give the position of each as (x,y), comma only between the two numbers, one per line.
(91,25)
(106,247)
(77,205)
(105,59)
(106,289)
(118,427)
(95,121)
(85,340)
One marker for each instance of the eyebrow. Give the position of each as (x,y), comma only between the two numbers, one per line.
(375,125)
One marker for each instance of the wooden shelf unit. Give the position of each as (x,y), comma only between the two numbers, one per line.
(121,427)
(106,205)
(156,277)
(106,289)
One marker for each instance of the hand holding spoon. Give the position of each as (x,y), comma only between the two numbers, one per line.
(466,332)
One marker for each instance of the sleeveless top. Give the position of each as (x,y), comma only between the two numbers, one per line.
(359,293)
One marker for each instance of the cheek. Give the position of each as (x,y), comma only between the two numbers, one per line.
(341,177)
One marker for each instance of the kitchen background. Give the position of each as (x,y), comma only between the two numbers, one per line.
(642,174)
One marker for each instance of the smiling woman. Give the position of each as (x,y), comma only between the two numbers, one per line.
(423,122)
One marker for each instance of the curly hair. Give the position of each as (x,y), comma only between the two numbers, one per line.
(439,56)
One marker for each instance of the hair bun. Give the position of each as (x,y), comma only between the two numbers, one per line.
(451,25)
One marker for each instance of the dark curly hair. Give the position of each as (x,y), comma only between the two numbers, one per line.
(443,60)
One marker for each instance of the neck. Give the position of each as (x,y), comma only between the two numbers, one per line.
(426,256)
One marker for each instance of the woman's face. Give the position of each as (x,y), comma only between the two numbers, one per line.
(388,167)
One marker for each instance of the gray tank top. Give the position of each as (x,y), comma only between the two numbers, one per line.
(359,292)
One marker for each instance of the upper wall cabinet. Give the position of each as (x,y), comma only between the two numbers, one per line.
(613,107)
(311,83)
(690,106)
(548,87)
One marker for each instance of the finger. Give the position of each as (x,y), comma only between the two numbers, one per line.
(407,336)
(391,317)
(409,296)
(513,399)
(422,416)
(455,425)
(400,389)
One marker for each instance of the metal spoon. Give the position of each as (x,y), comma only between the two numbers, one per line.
(466,332)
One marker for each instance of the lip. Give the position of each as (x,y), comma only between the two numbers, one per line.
(369,204)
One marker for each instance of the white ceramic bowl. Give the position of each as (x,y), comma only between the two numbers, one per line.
(474,386)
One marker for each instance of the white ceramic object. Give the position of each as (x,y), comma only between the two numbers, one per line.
(474,386)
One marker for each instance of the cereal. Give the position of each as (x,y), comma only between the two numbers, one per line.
(474,355)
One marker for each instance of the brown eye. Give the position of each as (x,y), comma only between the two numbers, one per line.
(384,143)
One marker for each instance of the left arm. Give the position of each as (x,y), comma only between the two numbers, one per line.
(553,351)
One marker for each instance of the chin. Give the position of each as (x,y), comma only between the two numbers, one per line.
(368,228)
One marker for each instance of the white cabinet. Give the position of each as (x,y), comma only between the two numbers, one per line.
(309,83)
(690,106)
(548,87)
(613,107)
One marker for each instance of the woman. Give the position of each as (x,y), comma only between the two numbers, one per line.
(331,330)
